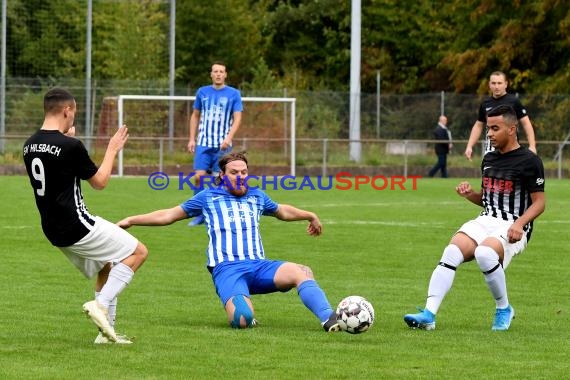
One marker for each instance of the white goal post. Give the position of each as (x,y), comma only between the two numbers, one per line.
(122,98)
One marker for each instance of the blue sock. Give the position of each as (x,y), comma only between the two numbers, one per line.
(315,299)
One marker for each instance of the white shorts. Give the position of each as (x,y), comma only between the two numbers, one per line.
(485,226)
(106,243)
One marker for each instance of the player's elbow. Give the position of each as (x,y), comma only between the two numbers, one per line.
(98,185)
(283,213)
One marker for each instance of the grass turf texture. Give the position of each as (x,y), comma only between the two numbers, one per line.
(382,245)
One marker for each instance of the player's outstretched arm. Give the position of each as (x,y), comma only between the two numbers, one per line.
(529,131)
(156,218)
(192,128)
(289,213)
(473,138)
(101,178)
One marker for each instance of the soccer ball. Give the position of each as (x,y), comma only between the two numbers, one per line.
(355,314)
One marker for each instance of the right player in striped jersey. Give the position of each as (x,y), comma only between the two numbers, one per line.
(512,196)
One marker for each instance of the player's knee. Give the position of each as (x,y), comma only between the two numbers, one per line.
(452,257)
(306,273)
(141,252)
(137,258)
(487,258)
(243,314)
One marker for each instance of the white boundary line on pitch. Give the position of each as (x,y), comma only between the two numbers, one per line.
(384,204)
(384,223)
(416,224)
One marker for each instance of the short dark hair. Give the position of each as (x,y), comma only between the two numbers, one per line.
(220,63)
(499,73)
(507,112)
(56,98)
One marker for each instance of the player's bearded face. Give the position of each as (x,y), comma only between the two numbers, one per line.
(235,175)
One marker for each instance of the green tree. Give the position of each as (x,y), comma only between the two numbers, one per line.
(405,41)
(217,30)
(421,46)
(44,37)
(130,40)
(527,40)
(308,42)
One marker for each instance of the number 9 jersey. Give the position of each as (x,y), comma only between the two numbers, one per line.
(56,164)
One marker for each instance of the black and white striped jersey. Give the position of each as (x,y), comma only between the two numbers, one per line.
(56,164)
(507,182)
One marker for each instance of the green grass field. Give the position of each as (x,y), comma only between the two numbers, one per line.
(382,245)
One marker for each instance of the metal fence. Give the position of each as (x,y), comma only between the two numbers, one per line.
(320,115)
(146,155)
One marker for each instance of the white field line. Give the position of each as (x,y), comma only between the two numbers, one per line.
(388,204)
(384,223)
(416,224)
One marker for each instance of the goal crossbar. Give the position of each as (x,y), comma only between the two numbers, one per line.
(120,112)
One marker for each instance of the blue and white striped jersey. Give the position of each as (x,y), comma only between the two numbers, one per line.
(232,223)
(216,107)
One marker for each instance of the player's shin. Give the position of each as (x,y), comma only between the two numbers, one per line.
(314,299)
(488,261)
(442,277)
(119,277)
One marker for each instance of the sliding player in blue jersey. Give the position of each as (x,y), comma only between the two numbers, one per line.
(236,258)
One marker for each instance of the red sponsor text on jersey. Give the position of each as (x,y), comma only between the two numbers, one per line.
(497,185)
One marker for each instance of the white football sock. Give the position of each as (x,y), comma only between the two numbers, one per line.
(119,277)
(112,310)
(494,273)
(443,276)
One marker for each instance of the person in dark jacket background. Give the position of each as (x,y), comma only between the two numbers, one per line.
(441,149)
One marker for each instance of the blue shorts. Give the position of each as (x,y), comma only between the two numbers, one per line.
(246,278)
(206,158)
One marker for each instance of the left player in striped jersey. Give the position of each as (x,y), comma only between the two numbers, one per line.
(236,258)
(512,197)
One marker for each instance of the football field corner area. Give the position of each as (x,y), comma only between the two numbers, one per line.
(381,245)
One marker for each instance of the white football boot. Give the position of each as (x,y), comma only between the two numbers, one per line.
(121,339)
(100,317)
